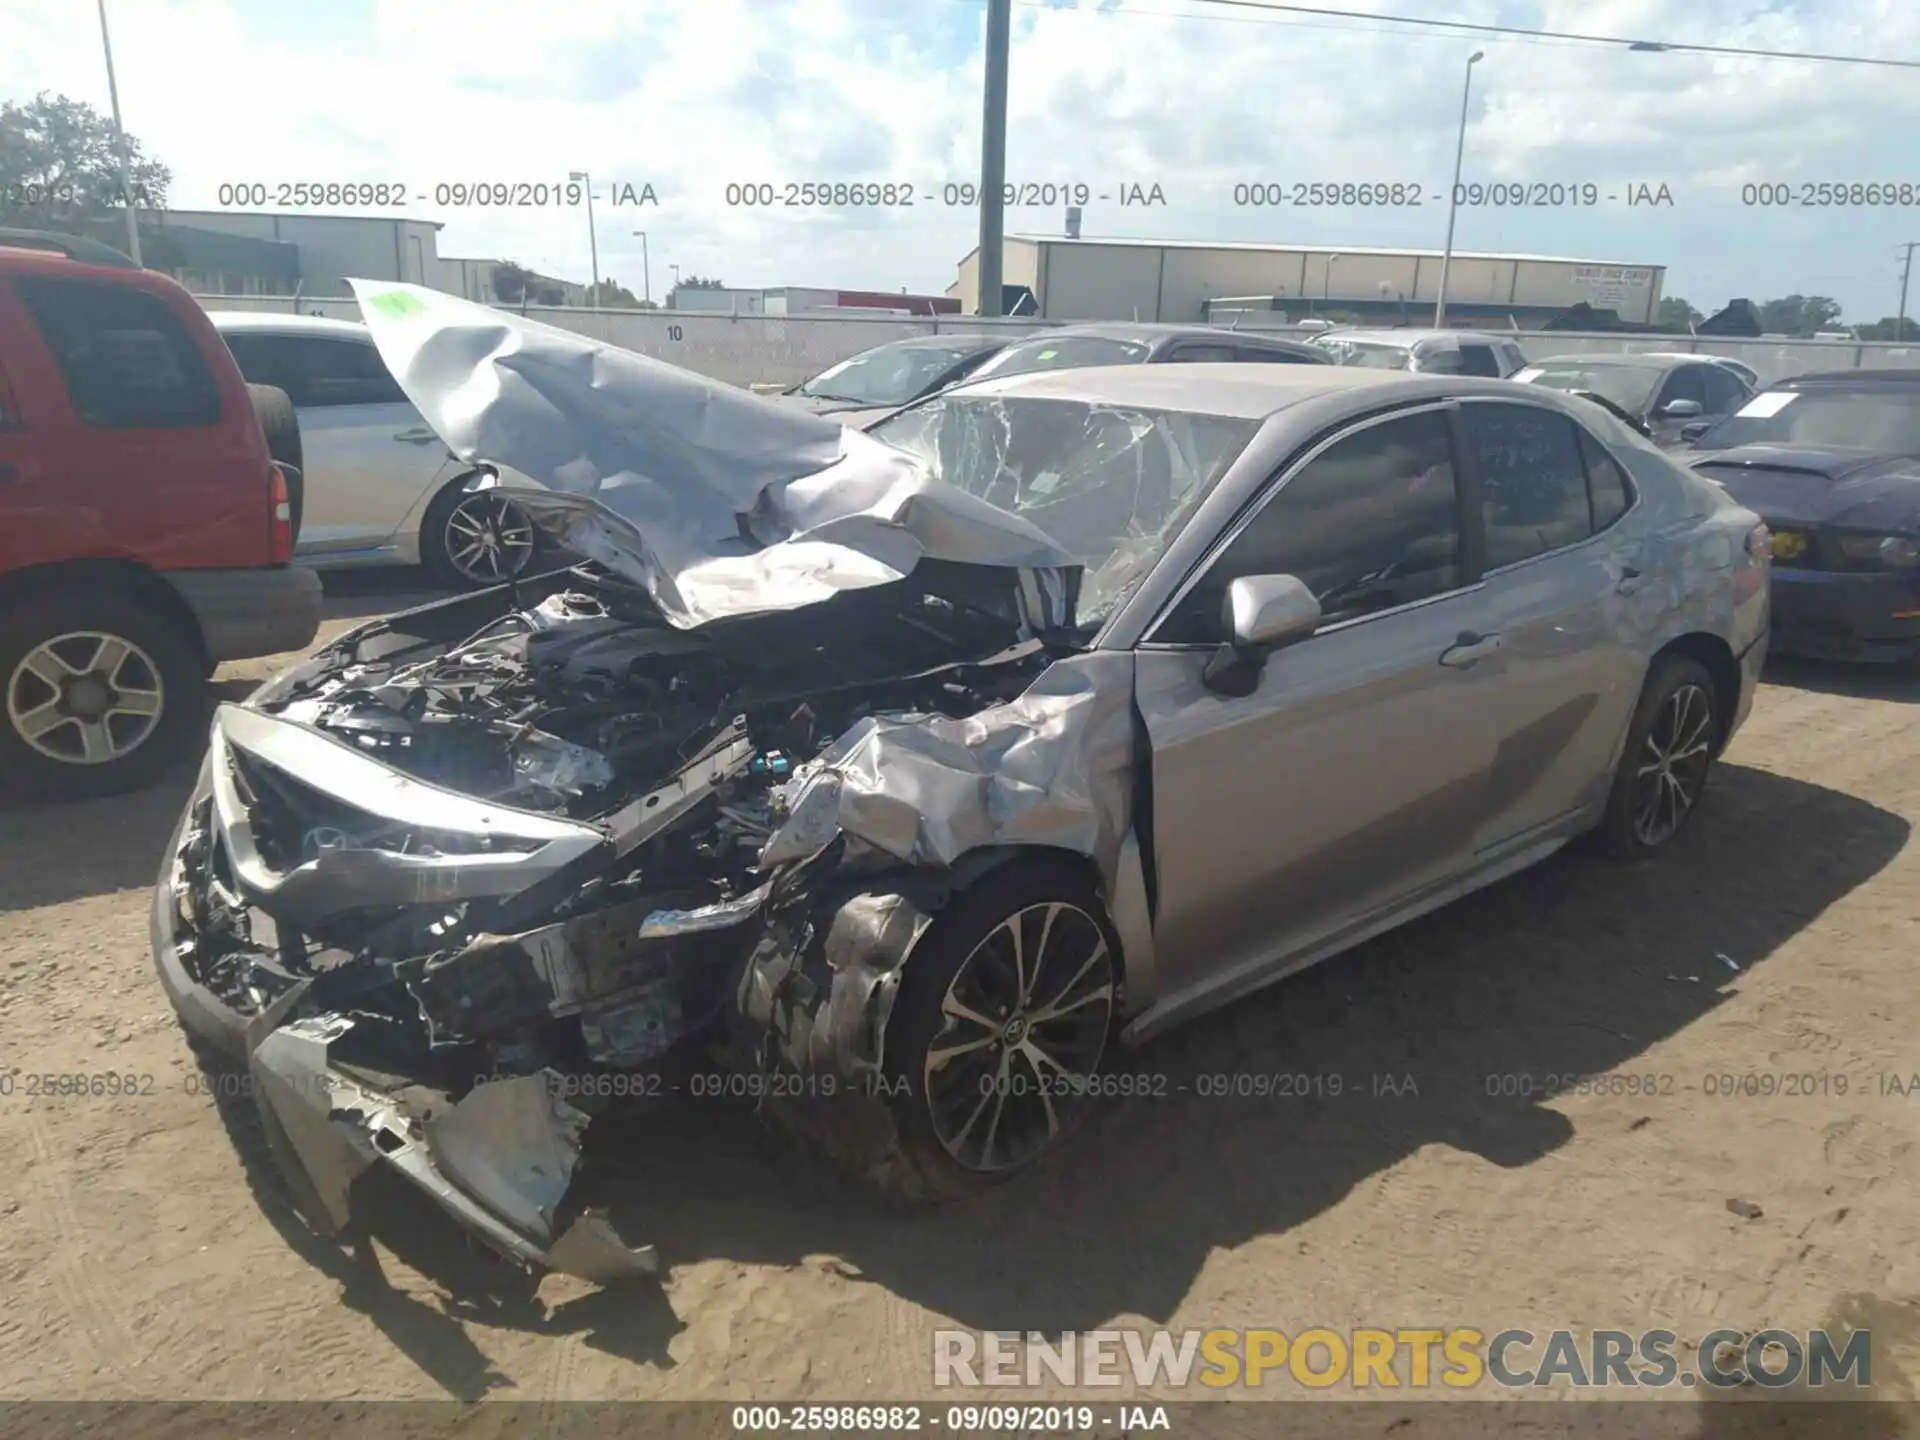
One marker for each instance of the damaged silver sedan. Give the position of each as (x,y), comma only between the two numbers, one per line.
(914,770)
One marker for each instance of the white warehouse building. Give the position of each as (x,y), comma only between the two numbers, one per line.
(1183,280)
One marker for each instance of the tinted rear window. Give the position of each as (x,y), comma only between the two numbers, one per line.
(1073,353)
(127,360)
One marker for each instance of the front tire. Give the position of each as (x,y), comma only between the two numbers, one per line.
(1671,745)
(98,695)
(475,539)
(999,1030)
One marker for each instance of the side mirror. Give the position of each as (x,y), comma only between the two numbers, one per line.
(1694,430)
(1261,613)
(1681,410)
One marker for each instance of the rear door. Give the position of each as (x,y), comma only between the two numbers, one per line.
(369,455)
(1562,556)
(1353,775)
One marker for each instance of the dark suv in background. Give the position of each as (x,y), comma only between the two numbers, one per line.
(145,523)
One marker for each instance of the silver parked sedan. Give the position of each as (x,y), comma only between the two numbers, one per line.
(912,773)
(379,487)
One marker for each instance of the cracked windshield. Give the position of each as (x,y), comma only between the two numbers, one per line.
(959,716)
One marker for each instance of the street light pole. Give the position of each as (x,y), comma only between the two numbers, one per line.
(993,157)
(1900,324)
(1453,195)
(593,236)
(1326,279)
(120,139)
(646,269)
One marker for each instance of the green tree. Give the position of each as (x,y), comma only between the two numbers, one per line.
(510,282)
(60,168)
(1673,313)
(612,295)
(1799,315)
(701,282)
(1890,327)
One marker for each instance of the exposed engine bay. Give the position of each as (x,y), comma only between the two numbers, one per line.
(609,785)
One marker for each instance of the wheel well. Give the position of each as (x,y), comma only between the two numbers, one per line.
(125,577)
(1717,656)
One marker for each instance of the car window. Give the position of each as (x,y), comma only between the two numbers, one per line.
(1203,354)
(1110,484)
(1882,418)
(892,374)
(1441,362)
(128,361)
(1608,489)
(1686,383)
(1479,360)
(1370,523)
(1274,355)
(1725,393)
(346,372)
(1514,357)
(1533,483)
(269,360)
(1071,353)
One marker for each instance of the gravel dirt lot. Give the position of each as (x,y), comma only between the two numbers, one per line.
(146,1252)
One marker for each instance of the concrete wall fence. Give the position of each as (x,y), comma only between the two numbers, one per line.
(760,350)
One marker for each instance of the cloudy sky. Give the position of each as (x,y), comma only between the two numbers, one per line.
(1195,97)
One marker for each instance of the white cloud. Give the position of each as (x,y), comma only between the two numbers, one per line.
(692,96)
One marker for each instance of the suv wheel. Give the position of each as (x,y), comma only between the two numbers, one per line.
(470,540)
(97,695)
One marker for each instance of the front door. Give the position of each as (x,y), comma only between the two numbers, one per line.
(1353,775)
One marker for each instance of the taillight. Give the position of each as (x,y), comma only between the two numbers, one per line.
(279,519)
(1760,542)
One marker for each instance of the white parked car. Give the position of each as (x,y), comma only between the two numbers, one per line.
(379,486)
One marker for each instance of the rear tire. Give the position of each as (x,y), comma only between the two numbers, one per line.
(98,695)
(455,534)
(281,425)
(1671,746)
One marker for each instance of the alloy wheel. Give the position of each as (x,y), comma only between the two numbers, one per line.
(1024,1026)
(85,697)
(489,538)
(1673,764)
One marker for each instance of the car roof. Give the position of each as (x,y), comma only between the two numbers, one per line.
(1408,339)
(1841,377)
(1640,360)
(1236,391)
(266,322)
(945,340)
(1147,331)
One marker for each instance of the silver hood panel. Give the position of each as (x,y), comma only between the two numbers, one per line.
(720,502)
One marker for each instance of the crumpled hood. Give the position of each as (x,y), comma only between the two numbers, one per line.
(720,502)
(1820,485)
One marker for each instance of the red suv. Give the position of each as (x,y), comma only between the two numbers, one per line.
(145,527)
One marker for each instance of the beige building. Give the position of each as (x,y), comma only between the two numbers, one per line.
(1182,280)
(333,247)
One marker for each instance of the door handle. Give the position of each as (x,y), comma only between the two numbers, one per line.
(1468,648)
(1629,579)
(419,435)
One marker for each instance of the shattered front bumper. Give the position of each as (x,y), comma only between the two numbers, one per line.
(498,1161)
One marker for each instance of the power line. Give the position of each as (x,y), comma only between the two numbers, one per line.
(1520,33)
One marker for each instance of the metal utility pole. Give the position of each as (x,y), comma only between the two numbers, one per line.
(1453,195)
(646,269)
(120,139)
(1900,325)
(993,156)
(593,235)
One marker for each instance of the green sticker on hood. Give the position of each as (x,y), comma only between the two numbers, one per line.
(397,303)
